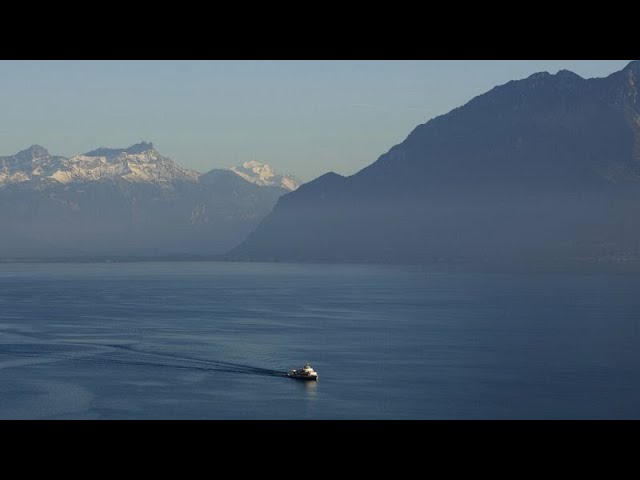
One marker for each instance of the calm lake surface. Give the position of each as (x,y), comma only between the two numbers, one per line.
(211,340)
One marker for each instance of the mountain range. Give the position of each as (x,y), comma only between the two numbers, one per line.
(539,171)
(128,201)
(536,172)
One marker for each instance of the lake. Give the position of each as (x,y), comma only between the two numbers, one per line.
(212,340)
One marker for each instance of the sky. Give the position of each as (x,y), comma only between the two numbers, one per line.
(302,117)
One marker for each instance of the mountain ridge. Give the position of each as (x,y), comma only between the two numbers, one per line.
(465,185)
(123,202)
(137,148)
(140,162)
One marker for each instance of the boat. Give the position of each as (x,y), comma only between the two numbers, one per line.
(304,373)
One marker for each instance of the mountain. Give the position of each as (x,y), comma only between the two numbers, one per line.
(33,163)
(138,163)
(126,202)
(265,175)
(540,171)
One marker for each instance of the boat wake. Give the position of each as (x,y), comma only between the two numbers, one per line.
(99,353)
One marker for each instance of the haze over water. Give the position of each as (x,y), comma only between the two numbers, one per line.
(213,340)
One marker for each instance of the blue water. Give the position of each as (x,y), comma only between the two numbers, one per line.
(211,341)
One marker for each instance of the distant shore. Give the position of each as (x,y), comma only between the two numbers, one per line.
(595,266)
(114,259)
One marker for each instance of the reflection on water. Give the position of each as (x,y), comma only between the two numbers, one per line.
(308,389)
(311,390)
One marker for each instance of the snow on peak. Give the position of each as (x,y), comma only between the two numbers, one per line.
(264,175)
(138,163)
(21,167)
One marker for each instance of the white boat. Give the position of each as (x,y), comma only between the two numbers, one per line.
(304,373)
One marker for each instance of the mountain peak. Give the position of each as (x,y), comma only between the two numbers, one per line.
(138,148)
(33,152)
(634,66)
(563,77)
(139,163)
(264,175)
(568,74)
(539,76)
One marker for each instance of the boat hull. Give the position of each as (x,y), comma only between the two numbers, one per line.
(304,378)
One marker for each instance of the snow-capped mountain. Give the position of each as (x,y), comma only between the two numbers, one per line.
(33,163)
(138,163)
(124,202)
(264,175)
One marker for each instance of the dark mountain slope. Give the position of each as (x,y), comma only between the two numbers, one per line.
(545,169)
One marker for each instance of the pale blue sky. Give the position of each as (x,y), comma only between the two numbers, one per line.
(302,117)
